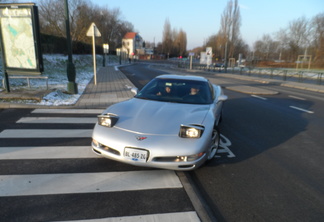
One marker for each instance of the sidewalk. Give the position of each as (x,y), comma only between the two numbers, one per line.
(113,86)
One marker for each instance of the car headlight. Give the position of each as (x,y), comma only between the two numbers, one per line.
(108,120)
(191,131)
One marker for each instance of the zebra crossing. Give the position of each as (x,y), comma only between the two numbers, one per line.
(54,176)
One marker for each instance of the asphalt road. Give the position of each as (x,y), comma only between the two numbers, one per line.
(273,168)
(269,167)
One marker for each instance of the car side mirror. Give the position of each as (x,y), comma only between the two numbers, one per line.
(134,90)
(222,98)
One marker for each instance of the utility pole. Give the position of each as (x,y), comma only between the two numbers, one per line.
(72,87)
(225,62)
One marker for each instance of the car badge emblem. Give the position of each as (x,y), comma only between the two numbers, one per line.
(140,138)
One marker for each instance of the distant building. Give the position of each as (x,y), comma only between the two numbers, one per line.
(132,44)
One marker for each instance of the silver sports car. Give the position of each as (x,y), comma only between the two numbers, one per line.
(171,123)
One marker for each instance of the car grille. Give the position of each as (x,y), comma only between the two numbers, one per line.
(166,159)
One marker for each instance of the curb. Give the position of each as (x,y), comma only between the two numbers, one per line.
(201,207)
(302,87)
(7,105)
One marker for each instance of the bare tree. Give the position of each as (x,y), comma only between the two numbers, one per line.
(51,14)
(230,26)
(175,43)
(179,42)
(167,38)
(318,36)
(283,43)
(183,42)
(82,14)
(299,36)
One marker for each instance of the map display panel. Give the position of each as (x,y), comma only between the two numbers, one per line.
(18,38)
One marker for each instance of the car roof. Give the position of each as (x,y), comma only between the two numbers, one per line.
(182,77)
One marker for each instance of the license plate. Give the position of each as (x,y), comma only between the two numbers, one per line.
(135,154)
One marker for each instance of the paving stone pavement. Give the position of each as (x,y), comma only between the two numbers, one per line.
(112,87)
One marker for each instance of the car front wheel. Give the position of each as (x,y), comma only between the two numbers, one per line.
(215,140)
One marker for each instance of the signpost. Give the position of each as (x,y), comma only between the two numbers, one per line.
(20,41)
(191,54)
(94,32)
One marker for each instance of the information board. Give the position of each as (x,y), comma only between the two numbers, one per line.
(20,39)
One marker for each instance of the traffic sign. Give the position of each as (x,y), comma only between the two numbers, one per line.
(93,31)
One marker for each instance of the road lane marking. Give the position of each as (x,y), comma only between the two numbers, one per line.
(223,147)
(296,97)
(46,133)
(300,109)
(46,152)
(259,97)
(69,111)
(74,120)
(69,183)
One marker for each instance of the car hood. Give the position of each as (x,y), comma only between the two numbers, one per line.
(154,117)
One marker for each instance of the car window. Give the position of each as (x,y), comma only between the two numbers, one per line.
(175,90)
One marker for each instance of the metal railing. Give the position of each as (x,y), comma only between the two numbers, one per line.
(305,76)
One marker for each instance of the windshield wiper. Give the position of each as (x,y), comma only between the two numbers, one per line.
(141,97)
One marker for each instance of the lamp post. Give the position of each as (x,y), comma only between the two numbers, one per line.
(72,87)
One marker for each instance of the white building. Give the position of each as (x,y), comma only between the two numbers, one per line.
(132,44)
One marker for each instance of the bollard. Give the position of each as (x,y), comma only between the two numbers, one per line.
(285,75)
(319,78)
(300,76)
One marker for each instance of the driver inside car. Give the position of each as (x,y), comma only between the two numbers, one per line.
(165,92)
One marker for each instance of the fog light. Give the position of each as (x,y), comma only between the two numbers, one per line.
(181,159)
(189,158)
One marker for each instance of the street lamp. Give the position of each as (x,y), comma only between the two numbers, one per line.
(72,87)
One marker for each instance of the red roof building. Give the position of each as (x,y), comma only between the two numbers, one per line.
(132,44)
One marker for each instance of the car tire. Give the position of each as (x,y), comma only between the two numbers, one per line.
(215,141)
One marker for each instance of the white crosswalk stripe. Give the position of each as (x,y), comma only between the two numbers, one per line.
(46,152)
(68,111)
(46,133)
(41,184)
(73,120)
(171,217)
(49,184)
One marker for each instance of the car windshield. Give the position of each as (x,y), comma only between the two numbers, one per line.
(177,90)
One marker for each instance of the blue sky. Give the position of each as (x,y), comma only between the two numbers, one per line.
(201,19)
